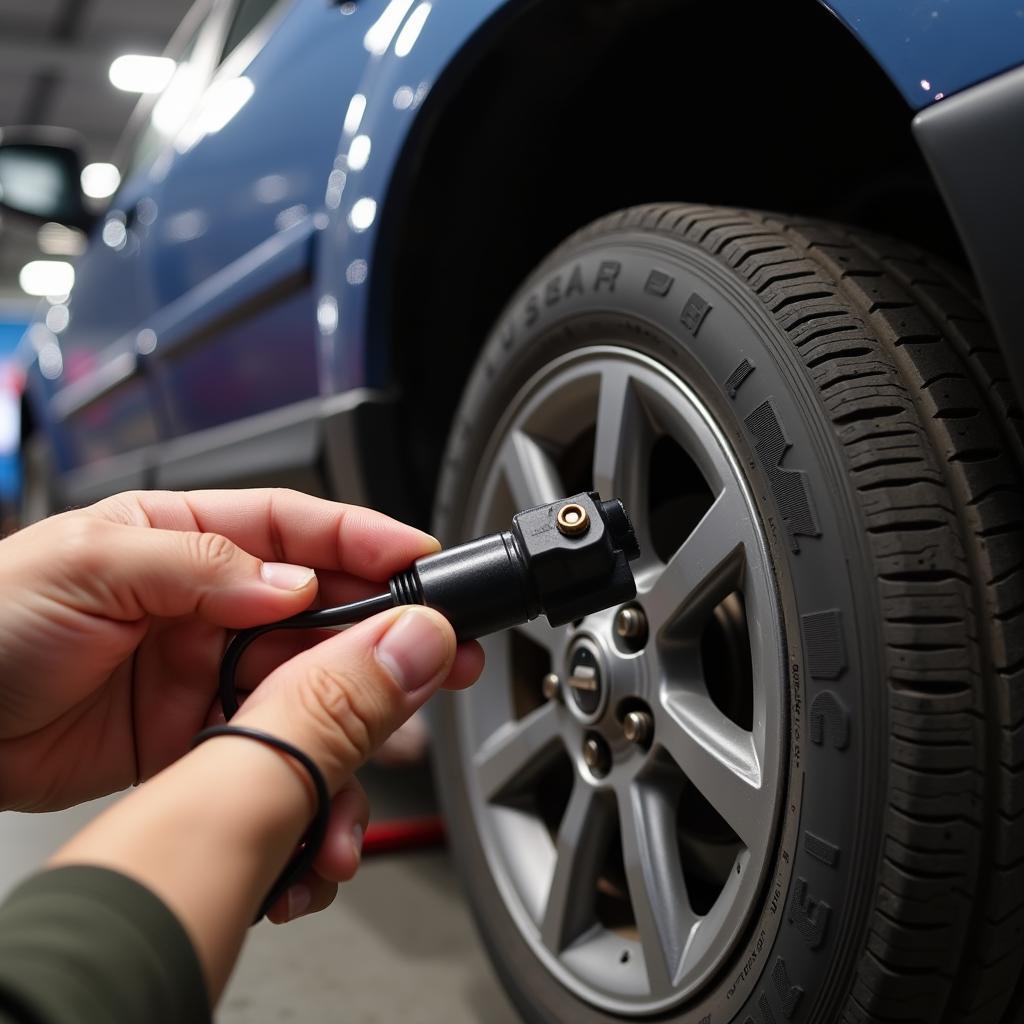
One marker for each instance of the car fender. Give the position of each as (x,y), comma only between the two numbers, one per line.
(421,49)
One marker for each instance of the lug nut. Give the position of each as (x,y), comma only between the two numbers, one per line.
(549,686)
(638,727)
(596,755)
(631,623)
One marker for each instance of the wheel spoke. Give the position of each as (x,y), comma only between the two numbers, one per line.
(720,759)
(580,847)
(654,875)
(622,442)
(532,476)
(551,638)
(518,750)
(693,577)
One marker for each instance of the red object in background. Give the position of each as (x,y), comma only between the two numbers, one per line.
(403,834)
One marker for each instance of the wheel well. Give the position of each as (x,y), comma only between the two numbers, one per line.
(578,108)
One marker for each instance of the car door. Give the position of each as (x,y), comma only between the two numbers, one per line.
(239,210)
(101,400)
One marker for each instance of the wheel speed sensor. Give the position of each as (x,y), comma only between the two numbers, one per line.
(566,559)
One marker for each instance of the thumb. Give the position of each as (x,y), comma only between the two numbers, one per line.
(127,572)
(340,700)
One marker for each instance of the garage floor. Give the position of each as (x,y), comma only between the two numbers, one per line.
(398,943)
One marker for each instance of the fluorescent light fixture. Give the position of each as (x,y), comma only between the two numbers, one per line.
(411,30)
(47,277)
(358,152)
(354,114)
(379,35)
(362,214)
(133,72)
(56,240)
(99,180)
(58,317)
(178,100)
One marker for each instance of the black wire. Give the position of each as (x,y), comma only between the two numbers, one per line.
(302,861)
(343,615)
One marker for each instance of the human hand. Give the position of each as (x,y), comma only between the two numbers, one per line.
(211,833)
(114,617)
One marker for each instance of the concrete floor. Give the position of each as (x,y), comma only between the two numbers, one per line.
(398,943)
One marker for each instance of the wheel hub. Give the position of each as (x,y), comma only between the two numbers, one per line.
(628,810)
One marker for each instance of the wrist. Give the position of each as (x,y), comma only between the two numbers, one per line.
(208,836)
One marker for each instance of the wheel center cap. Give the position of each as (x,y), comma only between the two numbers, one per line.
(585,678)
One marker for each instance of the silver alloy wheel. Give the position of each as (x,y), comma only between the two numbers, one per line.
(631,884)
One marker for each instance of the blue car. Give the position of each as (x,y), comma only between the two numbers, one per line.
(754,268)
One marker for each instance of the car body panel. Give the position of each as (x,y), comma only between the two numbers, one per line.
(250,287)
(934,49)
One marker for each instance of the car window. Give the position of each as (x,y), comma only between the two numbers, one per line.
(248,14)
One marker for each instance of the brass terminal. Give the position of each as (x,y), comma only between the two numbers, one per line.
(573,520)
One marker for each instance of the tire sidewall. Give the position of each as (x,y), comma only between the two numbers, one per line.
(677,304)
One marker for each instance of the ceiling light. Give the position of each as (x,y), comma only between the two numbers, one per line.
(411,30)
(359,152)
(57,240)
(134,72)
(100,181)
(47,277)
(379,35)
(362,213)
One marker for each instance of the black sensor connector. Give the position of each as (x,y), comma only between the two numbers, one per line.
(565,560)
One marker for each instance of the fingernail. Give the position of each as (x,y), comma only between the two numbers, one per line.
(414,649)
(298,901)
(357,840)
(285,576)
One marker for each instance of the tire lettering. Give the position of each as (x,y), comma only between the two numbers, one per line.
(694,312)
(606,275)
(821,849)
(789,486)
(789,995)
(808,915)
(823,635)
(735,379)
(532,310)
(827,710)
(553,291)
(658,283)
(575,285)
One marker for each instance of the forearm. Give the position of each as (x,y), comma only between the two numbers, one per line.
(208,836)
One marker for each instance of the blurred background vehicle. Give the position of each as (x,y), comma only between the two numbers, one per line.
(792,789)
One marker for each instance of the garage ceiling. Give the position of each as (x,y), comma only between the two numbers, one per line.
(54,57)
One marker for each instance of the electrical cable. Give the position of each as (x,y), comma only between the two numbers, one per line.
(343,615)
(566,559)
(310,843)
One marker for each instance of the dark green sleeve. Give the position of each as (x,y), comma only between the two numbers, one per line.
(83,945)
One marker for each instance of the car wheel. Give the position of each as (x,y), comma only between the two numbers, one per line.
(784,783)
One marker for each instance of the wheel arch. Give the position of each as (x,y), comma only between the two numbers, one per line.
(572,110)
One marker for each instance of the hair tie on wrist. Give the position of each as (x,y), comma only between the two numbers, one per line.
(303,858)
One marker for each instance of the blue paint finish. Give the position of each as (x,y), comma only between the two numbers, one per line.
(395,88)
(934,48)
(171,330)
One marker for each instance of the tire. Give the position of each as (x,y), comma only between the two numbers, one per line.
(873,425)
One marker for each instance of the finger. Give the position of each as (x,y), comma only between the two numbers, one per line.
(338,701)
(127,573)
(466,669)
(309,895)
(341,850)
(282,525)
(270,652)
